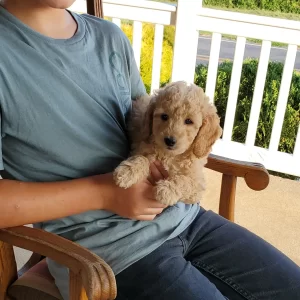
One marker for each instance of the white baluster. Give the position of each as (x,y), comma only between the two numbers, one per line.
(258,92)
(158,44)
(117,21)
(234,87)
(213,65)
(297,147)
(137,41)
(283,96)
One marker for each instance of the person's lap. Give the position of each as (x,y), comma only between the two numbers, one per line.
(212,259)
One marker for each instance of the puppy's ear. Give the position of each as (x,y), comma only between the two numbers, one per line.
(209,132)
(148,120)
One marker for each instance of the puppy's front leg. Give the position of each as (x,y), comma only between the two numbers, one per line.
(131,171)
(174,189)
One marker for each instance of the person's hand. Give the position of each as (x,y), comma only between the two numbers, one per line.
(157,172)
(136,202)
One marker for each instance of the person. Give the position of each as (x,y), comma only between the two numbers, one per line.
(67,82)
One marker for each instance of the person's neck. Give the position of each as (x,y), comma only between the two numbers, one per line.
(51,22)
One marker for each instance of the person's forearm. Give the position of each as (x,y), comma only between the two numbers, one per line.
(25,203)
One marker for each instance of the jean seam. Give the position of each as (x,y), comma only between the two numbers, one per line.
(228,281)
(184,244)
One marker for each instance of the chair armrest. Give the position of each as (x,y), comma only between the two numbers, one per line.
(255,175)
(8,268)
(96,276)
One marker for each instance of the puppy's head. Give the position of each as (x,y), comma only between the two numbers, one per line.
(180,118)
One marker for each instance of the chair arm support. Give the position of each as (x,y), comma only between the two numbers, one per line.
(97,277)
(8,268)
(255,175)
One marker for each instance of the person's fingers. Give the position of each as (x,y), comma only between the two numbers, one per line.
(156,175)
(152,203)
(151,180)
(153,211)
(145,217)
(161,169)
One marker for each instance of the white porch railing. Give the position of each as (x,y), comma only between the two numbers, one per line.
(190,17)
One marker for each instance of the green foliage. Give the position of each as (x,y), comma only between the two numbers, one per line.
(268,108)
(287,6)
(147,52)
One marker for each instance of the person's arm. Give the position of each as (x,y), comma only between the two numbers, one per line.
(25,203)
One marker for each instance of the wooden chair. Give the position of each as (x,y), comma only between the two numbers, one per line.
(90,277)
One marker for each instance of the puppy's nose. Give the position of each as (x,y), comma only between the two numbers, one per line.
(170,141)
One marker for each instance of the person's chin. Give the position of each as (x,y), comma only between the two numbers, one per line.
(60,4)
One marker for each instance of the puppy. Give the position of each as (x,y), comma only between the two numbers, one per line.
(177,126)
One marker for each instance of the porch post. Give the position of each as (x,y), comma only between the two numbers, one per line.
(186,40)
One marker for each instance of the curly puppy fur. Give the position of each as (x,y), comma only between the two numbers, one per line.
(178,126)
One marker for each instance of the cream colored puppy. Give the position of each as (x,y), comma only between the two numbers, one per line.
(177,126)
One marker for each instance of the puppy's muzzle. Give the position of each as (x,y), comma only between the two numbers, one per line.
(170,141)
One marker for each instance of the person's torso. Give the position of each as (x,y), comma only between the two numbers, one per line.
(64,105)
(63,102)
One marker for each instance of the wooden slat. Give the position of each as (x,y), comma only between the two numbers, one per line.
(137,41)
(8,268)
(76,290)
(158,44)
(255,175)
(258,92)
(234,87)
(283,97)
(227,197)
(213,65)
(117,21)
(99,280)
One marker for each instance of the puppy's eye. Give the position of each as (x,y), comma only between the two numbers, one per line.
(188,121)
(164,117)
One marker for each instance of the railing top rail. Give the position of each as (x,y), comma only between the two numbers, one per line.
(249,18)
(143,4)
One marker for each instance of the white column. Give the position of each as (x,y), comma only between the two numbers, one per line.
(186,41)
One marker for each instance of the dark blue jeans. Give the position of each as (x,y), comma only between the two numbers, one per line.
(213,259)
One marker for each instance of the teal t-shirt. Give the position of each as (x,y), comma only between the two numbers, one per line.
(64,105)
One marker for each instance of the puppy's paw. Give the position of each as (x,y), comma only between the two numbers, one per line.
(165,193)
(125,177)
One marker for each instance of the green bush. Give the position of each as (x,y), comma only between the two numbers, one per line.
(268,108)
(287,6)
(147,52)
